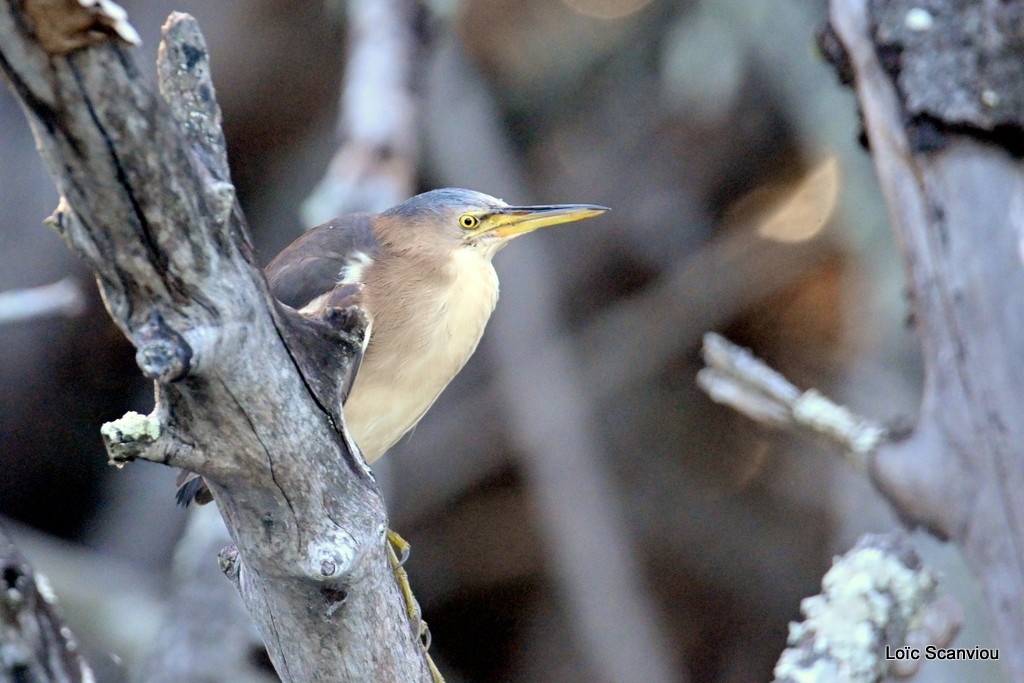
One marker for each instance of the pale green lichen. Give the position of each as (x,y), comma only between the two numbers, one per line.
(823,415)
(845,624)
(131,427)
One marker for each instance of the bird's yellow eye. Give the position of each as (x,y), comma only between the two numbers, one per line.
(468,221)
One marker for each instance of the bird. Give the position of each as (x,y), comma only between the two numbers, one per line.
(422,272)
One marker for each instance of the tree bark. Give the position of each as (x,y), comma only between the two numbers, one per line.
(35,644)
(934,101)
(248,392)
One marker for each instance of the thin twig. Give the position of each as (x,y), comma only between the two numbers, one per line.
(737,378)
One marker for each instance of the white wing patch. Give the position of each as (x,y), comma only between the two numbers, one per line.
(352,272)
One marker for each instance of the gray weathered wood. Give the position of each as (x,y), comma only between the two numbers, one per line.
(35,645)
(246,390)
(957,206)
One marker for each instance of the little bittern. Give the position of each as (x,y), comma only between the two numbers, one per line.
(422,272)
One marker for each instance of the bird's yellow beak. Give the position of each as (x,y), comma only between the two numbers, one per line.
(517,220)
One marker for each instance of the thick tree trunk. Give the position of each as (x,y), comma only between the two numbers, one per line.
(247,391)
(941,91)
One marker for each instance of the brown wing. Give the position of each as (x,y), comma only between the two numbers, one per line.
(326,260)
(317,262)
(192,487)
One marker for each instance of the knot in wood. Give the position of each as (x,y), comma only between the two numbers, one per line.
(335,598)
(13,584)
(335,560)
(228,558)
(163,354)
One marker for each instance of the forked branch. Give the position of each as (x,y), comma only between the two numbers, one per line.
(245,397)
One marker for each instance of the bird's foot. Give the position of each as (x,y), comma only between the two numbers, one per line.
(400,549)
(398,552)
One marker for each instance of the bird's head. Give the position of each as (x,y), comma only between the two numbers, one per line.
(453,218)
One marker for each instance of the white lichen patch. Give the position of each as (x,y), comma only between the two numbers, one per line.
(132,427)
(845,625)
(821,414)
(791,667)
(45,589)
(990,98)
(919,19)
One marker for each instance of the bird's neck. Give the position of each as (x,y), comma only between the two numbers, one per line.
(422,336)
(453,296)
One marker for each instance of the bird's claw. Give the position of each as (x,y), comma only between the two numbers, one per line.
(398,552)
(400,549)
(425,635)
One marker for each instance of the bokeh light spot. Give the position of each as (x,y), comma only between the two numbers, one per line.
(606,9)
(808,209)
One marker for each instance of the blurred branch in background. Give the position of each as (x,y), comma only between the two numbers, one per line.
(35,643)
(378,153)
(551,417)
(122,604)
(206,634)
(62,298)
(736,378)
(755,259)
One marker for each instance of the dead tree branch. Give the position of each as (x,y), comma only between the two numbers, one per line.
(954,186)
(955,193)
(875,601)
(244,397)
(735,377)
(36,644)
(375,165)
(956,201)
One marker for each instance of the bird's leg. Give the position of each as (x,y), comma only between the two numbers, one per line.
(398,551)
